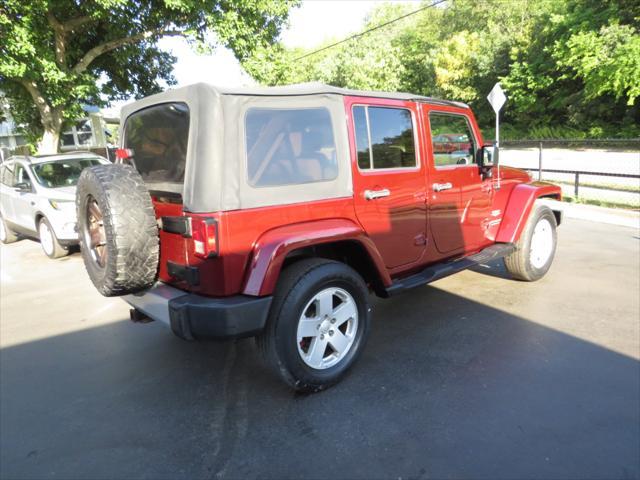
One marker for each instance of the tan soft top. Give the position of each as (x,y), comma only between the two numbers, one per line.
(216,171)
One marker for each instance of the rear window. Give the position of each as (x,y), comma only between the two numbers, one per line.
(158,136)
(289,146)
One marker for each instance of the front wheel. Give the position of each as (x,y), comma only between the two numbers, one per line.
(318,324)
(48,241)
(536,248)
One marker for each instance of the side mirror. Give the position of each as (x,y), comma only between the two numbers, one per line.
(23,187)
(487,159)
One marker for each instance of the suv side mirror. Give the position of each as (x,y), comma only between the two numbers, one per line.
(487,159)
(23,187)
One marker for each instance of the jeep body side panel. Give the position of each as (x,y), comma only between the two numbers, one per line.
(390,201)
(519,207)
(272,248)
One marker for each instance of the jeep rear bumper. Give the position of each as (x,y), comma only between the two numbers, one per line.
(192,316)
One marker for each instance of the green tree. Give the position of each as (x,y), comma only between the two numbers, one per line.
(569,66)
(578,67)
(57,54)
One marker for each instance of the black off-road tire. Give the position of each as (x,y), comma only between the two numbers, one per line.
(55,249)
(130,229)
(519,263)
(297,285)
(6,234)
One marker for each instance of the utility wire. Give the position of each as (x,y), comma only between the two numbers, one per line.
(437,2)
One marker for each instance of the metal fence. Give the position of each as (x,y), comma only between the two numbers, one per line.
(577,173)
(575,143)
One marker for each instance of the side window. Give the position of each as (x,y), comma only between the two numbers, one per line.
(289,146)
(21,175)
(452,138)
(5,176)
(362,137)
(384,138)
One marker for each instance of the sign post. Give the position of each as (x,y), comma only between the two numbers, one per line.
(497,98)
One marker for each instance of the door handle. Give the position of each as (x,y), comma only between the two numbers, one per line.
(373,194)
(438,187)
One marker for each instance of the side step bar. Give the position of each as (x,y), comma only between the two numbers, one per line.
(440,270)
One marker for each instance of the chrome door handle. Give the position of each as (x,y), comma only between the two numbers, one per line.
(438,187)
(373,194)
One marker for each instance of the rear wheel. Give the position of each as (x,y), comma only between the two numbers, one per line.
(318,324)
(48,241)
(6,234)
(536,247)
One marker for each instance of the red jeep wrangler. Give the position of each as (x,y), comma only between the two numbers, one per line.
(274,212)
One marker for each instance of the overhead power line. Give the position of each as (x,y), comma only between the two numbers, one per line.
(437,2)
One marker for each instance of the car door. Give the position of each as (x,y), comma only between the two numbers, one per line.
(388,177)
(460,198)
(6,191)
(23,201)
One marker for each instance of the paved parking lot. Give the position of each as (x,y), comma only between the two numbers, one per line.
(476,376)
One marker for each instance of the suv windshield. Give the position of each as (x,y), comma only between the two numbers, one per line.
(62,173)
(158,136)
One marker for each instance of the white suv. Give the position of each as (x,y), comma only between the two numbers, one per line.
(37,199)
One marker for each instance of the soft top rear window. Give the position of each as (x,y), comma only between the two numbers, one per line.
(158,136)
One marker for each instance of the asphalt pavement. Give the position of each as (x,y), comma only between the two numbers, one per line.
(475,376)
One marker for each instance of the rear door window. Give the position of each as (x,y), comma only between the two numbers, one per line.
(384,138)
(158,136)
(289,146)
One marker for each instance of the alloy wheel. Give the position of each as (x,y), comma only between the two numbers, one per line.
(327,328)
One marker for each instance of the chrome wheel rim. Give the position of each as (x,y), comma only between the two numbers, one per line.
(327,328)
(541,244)
(94,233)
(46,238)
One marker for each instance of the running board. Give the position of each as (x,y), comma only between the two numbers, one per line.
(440,270)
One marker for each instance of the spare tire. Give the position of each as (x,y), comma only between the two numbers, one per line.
(117,229)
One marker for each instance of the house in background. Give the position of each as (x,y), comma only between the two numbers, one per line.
(97,132)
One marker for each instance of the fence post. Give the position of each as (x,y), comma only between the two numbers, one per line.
(575,190)
(540,162)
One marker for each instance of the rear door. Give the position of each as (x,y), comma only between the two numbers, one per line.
(388,177)
(460,198)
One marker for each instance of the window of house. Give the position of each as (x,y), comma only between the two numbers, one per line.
(384,137)
(452,139)
(289,146)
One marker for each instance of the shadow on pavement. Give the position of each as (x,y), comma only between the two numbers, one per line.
(447,387)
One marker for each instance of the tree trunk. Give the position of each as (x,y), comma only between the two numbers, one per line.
(52,124)
(50,140)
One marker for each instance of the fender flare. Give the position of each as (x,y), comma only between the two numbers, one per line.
(271,249)
(519,208)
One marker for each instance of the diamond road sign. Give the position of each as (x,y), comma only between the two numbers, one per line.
(497,97)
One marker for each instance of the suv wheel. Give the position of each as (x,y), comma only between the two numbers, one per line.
(536,248)
(48,241)
(318,324)
(6,234)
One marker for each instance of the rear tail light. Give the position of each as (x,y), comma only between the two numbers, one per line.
(204,232)
(124,154)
